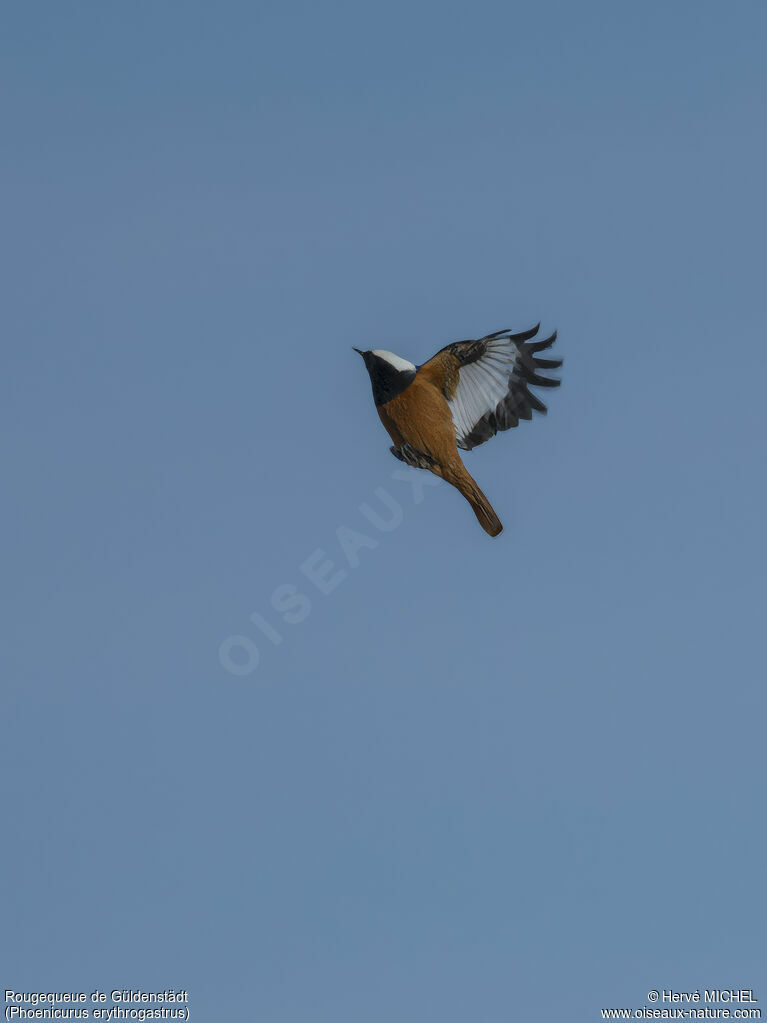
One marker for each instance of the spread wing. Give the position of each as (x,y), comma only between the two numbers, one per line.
(487,382)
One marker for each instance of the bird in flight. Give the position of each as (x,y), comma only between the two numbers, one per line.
(460,398)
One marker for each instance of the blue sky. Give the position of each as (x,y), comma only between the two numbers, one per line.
(482,779)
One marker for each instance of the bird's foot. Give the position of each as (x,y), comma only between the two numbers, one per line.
(412,456)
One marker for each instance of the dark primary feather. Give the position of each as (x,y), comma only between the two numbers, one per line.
(494,357)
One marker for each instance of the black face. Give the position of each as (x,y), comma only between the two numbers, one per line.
(387,380)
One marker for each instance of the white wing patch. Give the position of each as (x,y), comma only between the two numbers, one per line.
(482,385)
(492,392)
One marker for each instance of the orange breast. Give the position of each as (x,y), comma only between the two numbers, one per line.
(420,416)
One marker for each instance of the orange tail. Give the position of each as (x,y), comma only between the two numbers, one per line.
(479,503)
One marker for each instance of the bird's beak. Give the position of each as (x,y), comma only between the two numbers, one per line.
(357,350)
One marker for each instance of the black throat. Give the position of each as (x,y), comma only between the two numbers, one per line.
(387,380)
